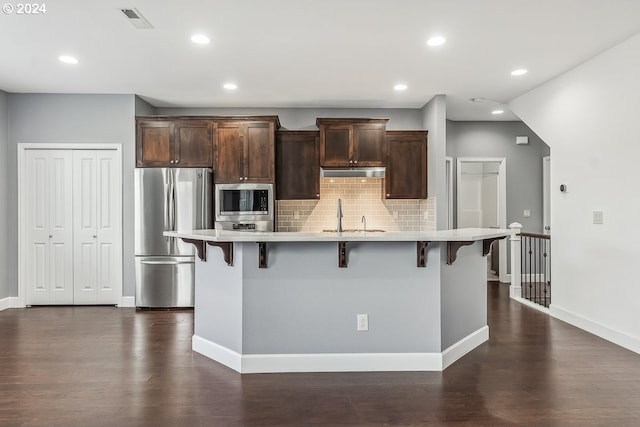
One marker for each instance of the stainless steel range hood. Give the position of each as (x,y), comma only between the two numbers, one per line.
(361,172)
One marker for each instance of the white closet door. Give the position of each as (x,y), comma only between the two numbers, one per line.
(49,227)
(97,237)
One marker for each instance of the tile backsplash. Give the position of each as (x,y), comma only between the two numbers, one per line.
(360,197)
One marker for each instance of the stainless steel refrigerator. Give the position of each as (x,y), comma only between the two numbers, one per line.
(168,199)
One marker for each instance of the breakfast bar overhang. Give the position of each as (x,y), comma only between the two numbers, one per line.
(288,302)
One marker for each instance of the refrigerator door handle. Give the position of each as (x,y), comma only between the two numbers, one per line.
(163,262)
(172,204)
(167,203)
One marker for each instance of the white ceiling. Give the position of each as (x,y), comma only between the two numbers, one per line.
(310,53)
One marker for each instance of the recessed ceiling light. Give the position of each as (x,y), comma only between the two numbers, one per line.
(68,59)
(496,112)
(400,87)
(436,41)
(519,72)
(230,86)
(200,39)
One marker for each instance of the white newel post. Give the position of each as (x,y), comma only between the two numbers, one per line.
(515,291)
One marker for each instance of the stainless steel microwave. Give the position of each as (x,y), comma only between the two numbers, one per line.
(244,207)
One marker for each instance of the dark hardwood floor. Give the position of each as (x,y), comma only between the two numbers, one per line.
(100,366)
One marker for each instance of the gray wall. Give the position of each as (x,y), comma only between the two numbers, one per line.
(143,108)
(434,119)
(524,163)
(5,288)
(463,293)
(48,118)
(305,118)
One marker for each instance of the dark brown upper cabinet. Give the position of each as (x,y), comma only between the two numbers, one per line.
(154,140)
(297,165)
(245,150)
(174,143)
(352,142)
(193,145)
(406,174)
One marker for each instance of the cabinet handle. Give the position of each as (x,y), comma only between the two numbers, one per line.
(318,195)
(350,162)
(355,162)
(95,236)
(241,178)
(388,195)
(51,236)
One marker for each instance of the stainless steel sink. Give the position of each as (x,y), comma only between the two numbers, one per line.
(353,230)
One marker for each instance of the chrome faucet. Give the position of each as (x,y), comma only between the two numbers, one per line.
(339,215)
(364,221)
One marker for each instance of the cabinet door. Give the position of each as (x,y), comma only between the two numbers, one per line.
(406,175)
(369,141)
(97,225)
(228,153)
(259,152)
(335,145)
(193,144)
(154,144)
(49,215)
(297,165)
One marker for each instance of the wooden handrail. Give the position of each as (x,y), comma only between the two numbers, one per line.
(539,236)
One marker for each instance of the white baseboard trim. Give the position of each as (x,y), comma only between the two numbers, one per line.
(464,346)
(528,303)
(515,292)
(128,302)
(217,352)
(339,362)
(617,337)
(8,302)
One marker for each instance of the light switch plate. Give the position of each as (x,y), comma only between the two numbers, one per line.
(526,213)
(598,217)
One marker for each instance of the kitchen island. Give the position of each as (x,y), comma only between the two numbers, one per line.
(289,302)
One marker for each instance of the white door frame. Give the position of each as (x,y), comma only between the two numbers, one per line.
(502,203)
(22,200)
(546,195)
(449,170)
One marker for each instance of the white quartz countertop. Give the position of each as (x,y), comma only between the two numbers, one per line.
(458,235)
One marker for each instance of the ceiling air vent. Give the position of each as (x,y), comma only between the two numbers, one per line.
(137,20)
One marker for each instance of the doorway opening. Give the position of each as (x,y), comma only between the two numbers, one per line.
(481,192)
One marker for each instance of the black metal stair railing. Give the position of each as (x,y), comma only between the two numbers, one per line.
(536,268)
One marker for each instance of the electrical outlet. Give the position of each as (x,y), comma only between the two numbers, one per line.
(363,322)
(395,214)
(526,213)
(296,215)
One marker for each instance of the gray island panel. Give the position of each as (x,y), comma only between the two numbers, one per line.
(303,303)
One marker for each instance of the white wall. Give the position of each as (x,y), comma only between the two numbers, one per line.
(46,118)
(5,288)
(589,118)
